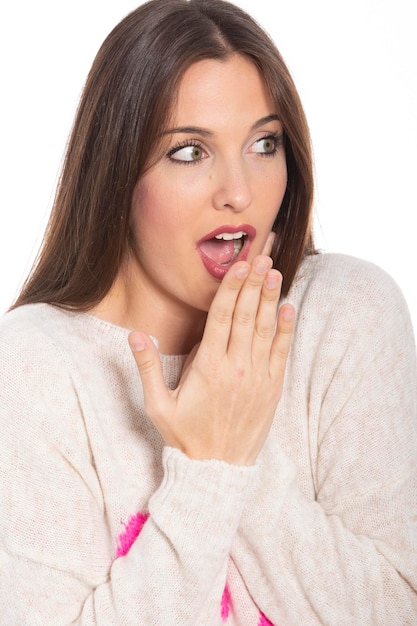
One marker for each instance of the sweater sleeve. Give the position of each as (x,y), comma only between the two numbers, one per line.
(348,554)
(57,555)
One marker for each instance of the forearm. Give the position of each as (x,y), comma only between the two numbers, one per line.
(317,564)
(173,573)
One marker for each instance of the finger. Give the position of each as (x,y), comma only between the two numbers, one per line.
(220,316)
(246,310)
(266,319)
(282,341)
(148,362)
(267,249)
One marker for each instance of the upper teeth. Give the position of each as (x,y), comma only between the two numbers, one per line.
(229,236)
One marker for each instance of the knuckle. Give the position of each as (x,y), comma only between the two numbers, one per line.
(264,332)
(222,316)
(270,295)
(282,350)
(281,353)
(146,367)
(244,318)
(255,281)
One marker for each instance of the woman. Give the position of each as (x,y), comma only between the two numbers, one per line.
(269,477)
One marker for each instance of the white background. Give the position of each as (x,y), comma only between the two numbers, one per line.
(355,65)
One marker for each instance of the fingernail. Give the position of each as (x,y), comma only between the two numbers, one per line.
(242,271)
(272,280)
(136,343)
(288,313)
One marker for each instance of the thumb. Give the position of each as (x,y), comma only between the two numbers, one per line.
(148,362)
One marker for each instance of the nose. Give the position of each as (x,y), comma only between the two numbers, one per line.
(231,186)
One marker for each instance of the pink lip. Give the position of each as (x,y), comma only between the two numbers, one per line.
(219,271)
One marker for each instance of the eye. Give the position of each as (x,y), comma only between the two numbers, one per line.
(187,152)
(267,146)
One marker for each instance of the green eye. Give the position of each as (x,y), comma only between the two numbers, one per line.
(187,154)
(269,145)
(266,145)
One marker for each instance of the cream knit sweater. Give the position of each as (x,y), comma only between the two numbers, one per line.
(100,524)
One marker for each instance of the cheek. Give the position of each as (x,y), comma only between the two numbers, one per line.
(158,204)
(151,234)
(149,221)
(273,191)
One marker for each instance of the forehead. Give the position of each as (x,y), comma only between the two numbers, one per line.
(215,92)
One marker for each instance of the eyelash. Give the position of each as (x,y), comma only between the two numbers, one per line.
(278,139)
(188,143)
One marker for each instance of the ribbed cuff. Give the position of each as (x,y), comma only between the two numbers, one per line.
(201,498)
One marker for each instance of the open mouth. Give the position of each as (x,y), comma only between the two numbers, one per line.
(224,247)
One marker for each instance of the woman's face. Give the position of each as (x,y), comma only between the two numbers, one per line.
(213,196)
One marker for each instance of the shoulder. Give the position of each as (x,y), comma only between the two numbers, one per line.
(339,281)
(334,272)
(353,300)
(56,351)
(28,343)
(52,328)
(31,330)
(35,353)
(38,318)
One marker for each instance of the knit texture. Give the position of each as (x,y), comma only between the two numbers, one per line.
(100,524)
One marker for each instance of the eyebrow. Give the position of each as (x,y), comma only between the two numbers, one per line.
(208,133)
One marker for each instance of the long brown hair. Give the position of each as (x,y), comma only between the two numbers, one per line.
(124,108)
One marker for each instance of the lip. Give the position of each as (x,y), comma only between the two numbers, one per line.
(213,268)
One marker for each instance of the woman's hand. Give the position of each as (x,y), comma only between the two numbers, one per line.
(231,384)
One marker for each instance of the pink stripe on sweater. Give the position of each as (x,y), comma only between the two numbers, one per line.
(225,603)
(130,533)
(264,621)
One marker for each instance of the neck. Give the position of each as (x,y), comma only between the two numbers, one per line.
(177,328)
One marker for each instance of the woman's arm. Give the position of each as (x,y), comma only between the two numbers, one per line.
(346,554)
(58,561)
(58,553)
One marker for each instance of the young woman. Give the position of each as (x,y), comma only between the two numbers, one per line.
(173,450)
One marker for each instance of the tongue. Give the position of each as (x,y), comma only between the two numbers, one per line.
(219,250)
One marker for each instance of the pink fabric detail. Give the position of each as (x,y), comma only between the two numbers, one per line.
(225,603)
(264,621)
(130,533)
